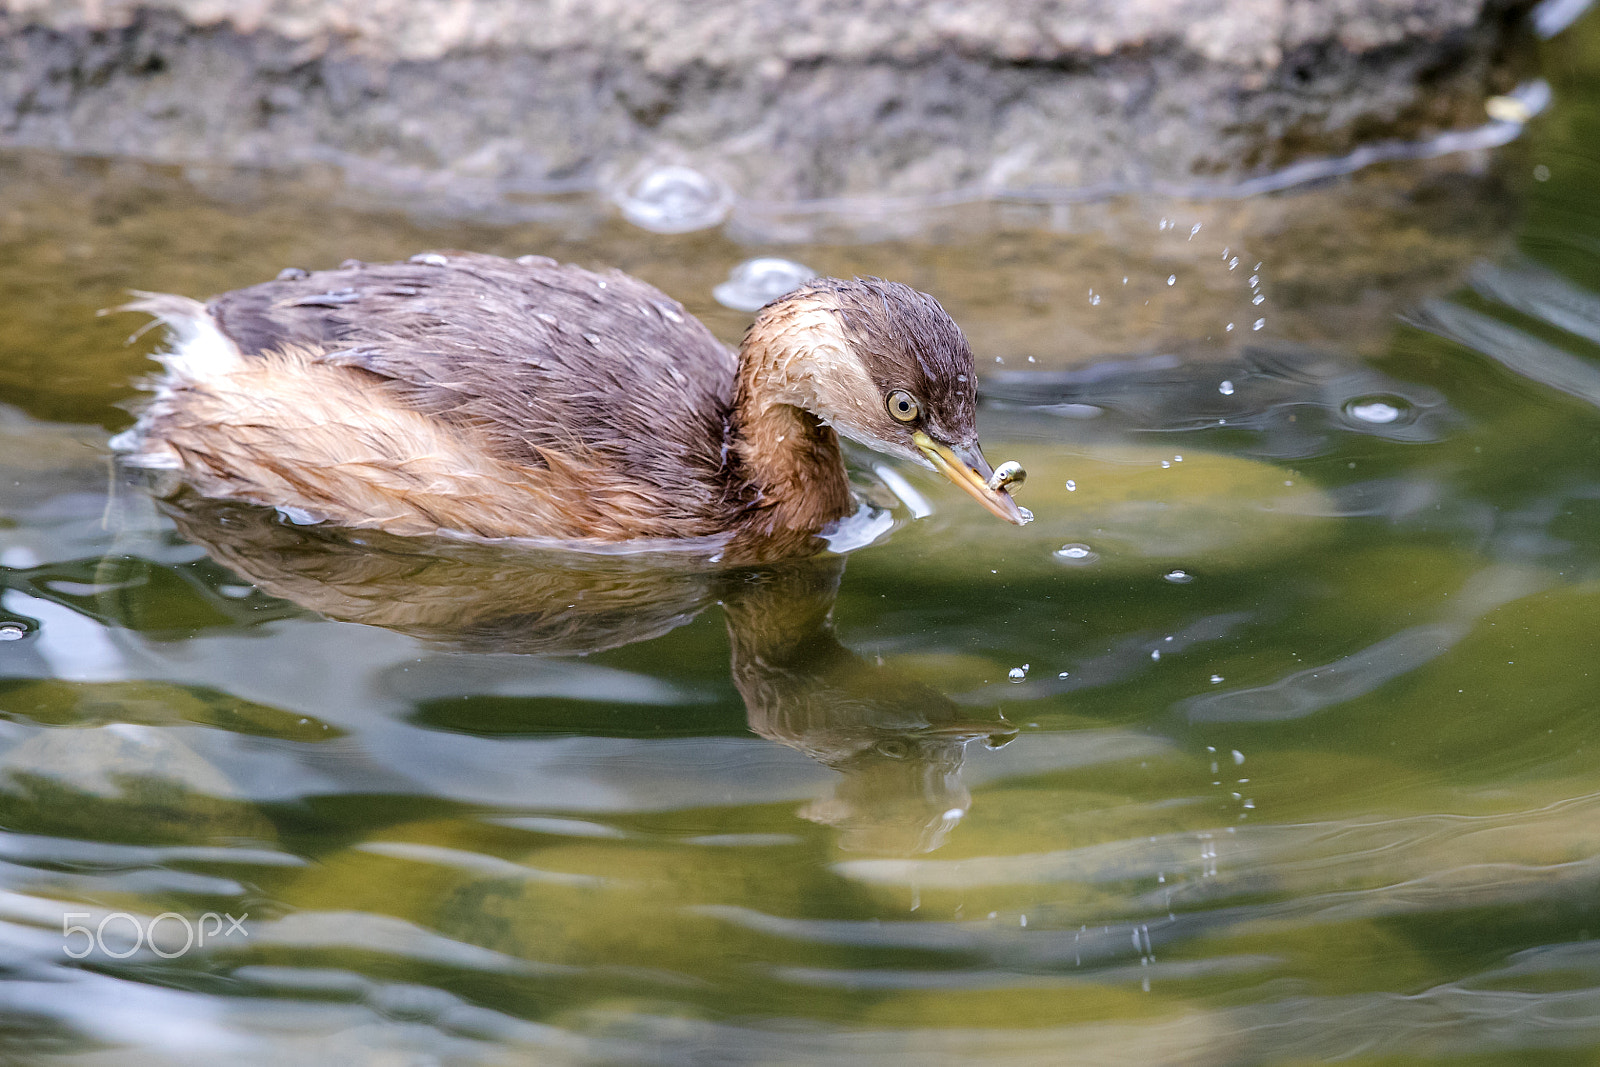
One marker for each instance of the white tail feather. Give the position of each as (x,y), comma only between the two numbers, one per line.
(198,349)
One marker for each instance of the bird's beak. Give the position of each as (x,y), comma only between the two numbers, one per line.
(968,469)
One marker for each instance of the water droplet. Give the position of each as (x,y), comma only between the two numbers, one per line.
(674,199)
(1258,298)
(1229,329)
(12,631)
(297,516)
(1179,577)
(1166,463)
(1234,262)
(1194,230)
(1226,388)
(1177,459)
(1076,554)
(1238,757)
(1072,486)
(1258,324)
(1377,410)
(1094,299)
(1155,653)
(759,281)
(1172,279)
(1215,678)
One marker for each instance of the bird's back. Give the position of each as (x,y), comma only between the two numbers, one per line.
(470,392)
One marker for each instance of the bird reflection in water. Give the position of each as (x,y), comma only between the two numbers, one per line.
(897,744)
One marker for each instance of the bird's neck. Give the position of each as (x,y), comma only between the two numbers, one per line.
(789,455)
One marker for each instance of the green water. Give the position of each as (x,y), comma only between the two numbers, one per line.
(1276,739)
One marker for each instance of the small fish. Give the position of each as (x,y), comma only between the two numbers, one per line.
(1009,475)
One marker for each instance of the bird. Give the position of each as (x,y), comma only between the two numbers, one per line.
(469,394)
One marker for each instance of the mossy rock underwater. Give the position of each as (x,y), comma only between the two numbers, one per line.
(1129,509)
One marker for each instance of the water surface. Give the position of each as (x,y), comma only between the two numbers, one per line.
(1273,740)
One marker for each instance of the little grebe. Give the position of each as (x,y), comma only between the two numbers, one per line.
(527,398)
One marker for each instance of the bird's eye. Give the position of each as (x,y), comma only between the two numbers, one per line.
(903,406)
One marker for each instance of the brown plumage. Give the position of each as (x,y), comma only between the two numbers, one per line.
(499,398)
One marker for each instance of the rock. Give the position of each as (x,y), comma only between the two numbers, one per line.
(775,102)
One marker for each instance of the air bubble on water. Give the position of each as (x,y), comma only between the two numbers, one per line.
(1226,388)
(1177,459)
(757,282)
(1234,262)
(1238,757)
(997,359)
(1072,486)
(1257,299)
(1377,410)
(1166,463)
(1075,553)
(1063,674)
(674,199)
(1019,673)
(1258,324)
(1094,299)
(12,631)
(1032,360)
(1230,328)
(1164,224)
(1124,279)
(1215,678)
(1179,577)
(1194,230)
(1172,279)
(1155,653)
